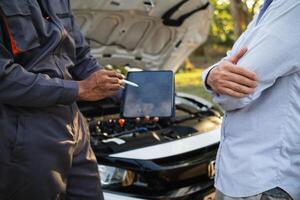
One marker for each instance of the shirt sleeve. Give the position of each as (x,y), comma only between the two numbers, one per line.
(205,74)
(273,55)
(19,87)
(85,63)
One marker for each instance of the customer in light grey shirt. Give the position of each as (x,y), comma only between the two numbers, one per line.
(260,143)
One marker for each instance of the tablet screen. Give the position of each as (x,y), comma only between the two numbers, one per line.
(154,97)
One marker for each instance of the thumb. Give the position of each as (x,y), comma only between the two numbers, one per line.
(234,59)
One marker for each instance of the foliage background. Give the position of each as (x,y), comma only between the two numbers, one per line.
(230,19)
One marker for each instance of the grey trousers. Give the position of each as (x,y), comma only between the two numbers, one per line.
(274,194)
(45,154)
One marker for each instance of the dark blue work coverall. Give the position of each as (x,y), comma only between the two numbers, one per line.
(45,152)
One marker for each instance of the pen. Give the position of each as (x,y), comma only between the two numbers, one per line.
(130,83)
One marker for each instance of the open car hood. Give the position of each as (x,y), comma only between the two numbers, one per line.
(146,34)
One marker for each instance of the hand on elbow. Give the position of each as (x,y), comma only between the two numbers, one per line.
(232,80)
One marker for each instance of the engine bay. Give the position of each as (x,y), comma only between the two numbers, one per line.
(112,134)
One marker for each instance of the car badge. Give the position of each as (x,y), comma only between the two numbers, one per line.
(211,170)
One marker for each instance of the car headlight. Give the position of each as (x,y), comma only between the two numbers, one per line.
(112,175)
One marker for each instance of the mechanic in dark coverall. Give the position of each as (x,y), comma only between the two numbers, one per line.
(45,66)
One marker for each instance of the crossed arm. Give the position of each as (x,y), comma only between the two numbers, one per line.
(240,79)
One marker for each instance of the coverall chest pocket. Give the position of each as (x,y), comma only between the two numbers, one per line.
(20,25)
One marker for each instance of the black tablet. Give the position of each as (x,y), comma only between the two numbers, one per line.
(154,97)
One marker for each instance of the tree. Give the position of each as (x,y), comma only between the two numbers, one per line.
(230,19)
(242,13)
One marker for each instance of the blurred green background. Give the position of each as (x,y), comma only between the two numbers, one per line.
(230,19)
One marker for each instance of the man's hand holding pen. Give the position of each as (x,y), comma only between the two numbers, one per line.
(100,85)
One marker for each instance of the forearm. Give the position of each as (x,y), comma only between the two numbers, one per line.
(268,68)
(228,103)
(205,75)
(21,88)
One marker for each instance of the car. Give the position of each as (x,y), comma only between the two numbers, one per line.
(173,158)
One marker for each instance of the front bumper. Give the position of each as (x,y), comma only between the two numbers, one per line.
(181,177)
(208,194)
